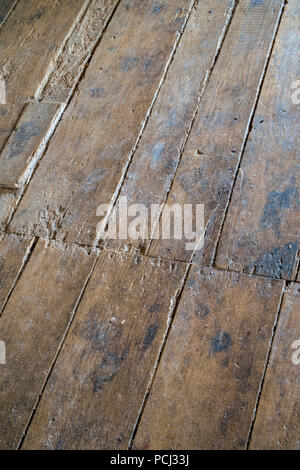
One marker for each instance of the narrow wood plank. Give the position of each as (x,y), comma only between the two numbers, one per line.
(5,7)
(9,115)
(277,425)
(32,128)
(32,326)
(262,228)
(206,172)
(90,148)
(156,158)
(206,385)
(73,58)
(97,386)
(30,40)
(12,252)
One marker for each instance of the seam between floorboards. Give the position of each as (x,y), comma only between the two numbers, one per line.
(248,129)
(25,260)
(144,123)
(202,90)
(9,13)
(172,312)
(71,320)
(64,106)
(260,388)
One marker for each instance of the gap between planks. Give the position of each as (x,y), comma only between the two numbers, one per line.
(248,129)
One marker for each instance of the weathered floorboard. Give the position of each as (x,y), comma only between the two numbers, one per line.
(262,227)
(30,39)
(32,127)
(90,147)
(206,172)
(154,163)
(205,389)
(97,386)
(278,416)
(32,326)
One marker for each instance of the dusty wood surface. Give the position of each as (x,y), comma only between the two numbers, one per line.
(97,387)
(262,228)
(31,129)
(32,326)
(277,421)
(155,161)
(205,389)
(206,172)
(30,39)
(87,155)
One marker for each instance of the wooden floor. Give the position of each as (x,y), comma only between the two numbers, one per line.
(140,344)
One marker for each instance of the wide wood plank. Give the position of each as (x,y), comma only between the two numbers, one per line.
(90,147)
(262,228)
(206,172)
(12,257)
(32,326)
(154,163)
(96,389)
(73,58)
(30,40)
(205,389)
(277,424)
(32,128)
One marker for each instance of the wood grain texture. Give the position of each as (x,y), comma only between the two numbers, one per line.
(206,385)
(90,147)
(278,415)
(97,386)
(12,252)
(32,326)
(39,28)
(31,129)
(73,58)
(262,228)
(154,163)
(206,172)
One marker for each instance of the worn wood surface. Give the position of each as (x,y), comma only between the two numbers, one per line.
(154,101)
(154,163)
(262,227)
(73,58)
(277,421)
(97,386)
(32,326)
(12,254)
(31,129)
(90,148)
(30,40)
(206,172)
(205,389)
